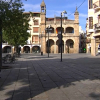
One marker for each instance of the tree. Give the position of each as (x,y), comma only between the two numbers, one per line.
(14,22)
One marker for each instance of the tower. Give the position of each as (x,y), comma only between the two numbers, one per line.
(43,26)
(76,22)
(76,31)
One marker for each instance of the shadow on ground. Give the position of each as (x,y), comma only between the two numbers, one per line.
(32,77)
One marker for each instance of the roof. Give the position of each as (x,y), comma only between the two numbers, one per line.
(43,3)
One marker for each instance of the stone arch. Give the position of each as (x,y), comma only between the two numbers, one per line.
(6,49)
(26,49)
(50,49)
(69,30)
(58,30)
(36,49)
(58,45)
(51,30)
(70,46)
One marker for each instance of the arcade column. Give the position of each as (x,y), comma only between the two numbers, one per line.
(93,46)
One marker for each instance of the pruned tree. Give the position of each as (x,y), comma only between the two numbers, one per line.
(14,22)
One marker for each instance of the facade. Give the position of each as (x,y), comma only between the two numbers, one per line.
(45,39)
(93,27)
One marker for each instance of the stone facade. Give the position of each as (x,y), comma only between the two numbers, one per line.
(44,39)
(70,33)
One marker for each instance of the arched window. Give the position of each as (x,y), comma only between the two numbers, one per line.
(69,30)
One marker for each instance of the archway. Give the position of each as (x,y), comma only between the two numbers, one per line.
(70,46)
(69,30)
(6,49)
(51,30)
(35,49)
(50,46)
(58,30)
(26,49)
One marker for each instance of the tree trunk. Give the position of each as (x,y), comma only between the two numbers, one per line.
(17,50)
(0,44)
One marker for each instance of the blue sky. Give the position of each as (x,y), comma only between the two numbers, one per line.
(55,7)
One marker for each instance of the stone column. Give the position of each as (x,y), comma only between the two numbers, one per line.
(30,49)
(21,49)
(88,48)
(12,49)
(93,47)
(76,45)
(54,47)
(64,47)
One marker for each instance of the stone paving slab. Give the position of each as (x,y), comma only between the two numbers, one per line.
(35,77)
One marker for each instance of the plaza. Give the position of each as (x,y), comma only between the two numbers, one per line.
(36,77)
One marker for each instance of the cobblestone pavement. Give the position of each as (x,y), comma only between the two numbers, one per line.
(36,77)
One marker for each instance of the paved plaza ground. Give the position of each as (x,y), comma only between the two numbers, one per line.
(36,77)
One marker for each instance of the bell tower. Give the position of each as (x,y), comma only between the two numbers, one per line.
(76,31)
(76,22)
(43,26)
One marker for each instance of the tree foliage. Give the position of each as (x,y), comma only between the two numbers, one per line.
(14,22)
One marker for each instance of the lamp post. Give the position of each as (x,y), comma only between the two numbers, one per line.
(64,12)
(41,36)
(48,42)
(39,41)
(48,29)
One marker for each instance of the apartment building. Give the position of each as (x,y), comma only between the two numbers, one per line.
(93,27)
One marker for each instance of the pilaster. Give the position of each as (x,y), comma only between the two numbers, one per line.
(93,47)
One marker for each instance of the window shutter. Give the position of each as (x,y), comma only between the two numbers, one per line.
(90,22)
(36,22)
(35,29)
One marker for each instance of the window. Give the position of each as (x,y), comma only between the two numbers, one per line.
(90,22)
(98,18)
(42,9)
(71,45)
(90,4)
(35,29)
(35,38)
(36,22)
(36,14)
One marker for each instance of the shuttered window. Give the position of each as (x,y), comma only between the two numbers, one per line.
(36,22)
(35,29)
(90,4)
(90,22)
(35,38)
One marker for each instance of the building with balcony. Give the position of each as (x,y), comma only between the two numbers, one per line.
(46,40)
(93,27)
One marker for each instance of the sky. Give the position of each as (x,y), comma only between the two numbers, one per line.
(55,7)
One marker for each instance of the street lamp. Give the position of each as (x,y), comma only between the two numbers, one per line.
(64,12)
(40,36)
(48,29)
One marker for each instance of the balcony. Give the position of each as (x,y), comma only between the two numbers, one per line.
(91,30)
(96,5)
(97,27)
